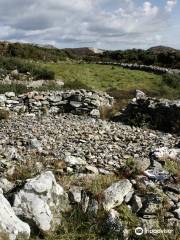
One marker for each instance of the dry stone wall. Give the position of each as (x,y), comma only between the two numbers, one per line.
(162,114)
(74,101)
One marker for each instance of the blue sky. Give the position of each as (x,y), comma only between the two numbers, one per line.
(106,24)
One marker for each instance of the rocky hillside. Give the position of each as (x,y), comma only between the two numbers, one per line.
(71,175)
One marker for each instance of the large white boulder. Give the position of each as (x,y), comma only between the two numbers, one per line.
(114,195)
(11,227)
(42,201)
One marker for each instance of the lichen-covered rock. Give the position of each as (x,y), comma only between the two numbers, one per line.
(11,226)
(41,202)
(114,195)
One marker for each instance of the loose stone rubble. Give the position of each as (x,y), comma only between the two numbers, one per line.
(52,147)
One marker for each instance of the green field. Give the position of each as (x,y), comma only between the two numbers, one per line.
(112,78)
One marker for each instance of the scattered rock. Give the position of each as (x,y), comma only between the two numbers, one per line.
(164,153)
(75,194)
(159,175)
(10,94)
(5,185)
(10,225)
(35,144)
(177,213)
(136,204)
(73,161)
(41,202)
(114,195)
(112,225)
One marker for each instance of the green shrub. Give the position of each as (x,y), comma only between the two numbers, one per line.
(17,88)
(172,80)
(37,71)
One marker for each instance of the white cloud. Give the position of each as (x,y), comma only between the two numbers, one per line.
(149,9)
(170,4)
(74,23)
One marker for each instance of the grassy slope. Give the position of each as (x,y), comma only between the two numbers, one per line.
(104,77)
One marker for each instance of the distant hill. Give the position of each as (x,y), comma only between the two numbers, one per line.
(82,52)
(159,55)
(33,51)
(162,49)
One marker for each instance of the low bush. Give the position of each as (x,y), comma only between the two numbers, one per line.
(172,80)
(37,71)
(17,88)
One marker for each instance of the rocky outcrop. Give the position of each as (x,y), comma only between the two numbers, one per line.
(160,114)
(74,101)
(41,202)
(11,227)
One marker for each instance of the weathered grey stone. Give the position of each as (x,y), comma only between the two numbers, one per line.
(35,144)
(112,226)
(92,208)
(114,195)
(95,113)
(75,194)
(5,185)
(10,94)
(2,98)
(128,197)
(11,153)
(92,169)
(164,153)
(157,174)
(136,204)
(75,104)
(151,204)
(74,161)
(41,201)
(177,213)
(10,225)
(140,95)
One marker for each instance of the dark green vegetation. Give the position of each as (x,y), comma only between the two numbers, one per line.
(23,66)
(17,88)
(29,51)
(161,56)
(172,81)
(158,56)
